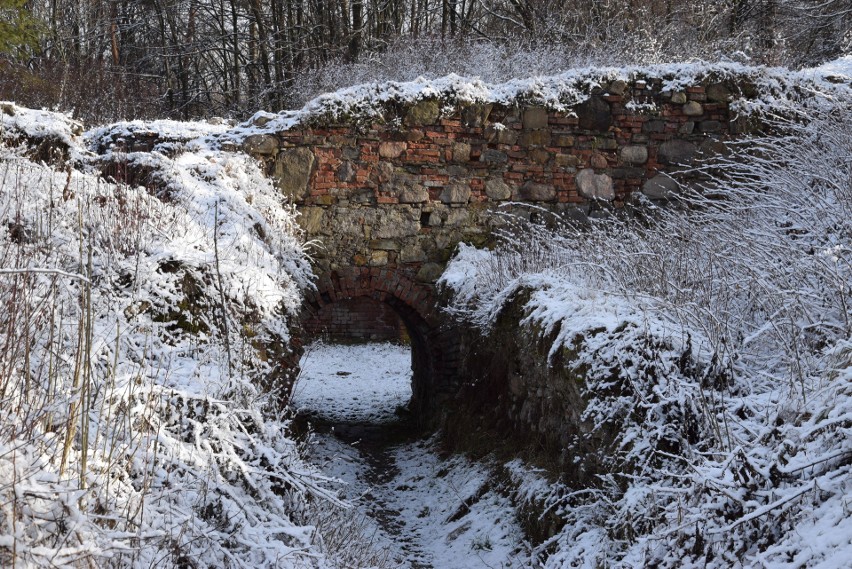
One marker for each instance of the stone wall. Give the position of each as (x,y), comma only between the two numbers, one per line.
(405,189)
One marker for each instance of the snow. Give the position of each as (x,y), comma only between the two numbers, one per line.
(839,68)
(356,384)
(775,86)
(453,510)
(166,134)
(129,441)
(16,120)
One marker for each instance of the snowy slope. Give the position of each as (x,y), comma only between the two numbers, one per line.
(134,433)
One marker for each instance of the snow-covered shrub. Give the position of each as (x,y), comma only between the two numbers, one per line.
(716,333)
(135,333)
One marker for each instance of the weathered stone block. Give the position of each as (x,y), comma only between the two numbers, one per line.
(346,172)
(718,93)
(659,187)
(500,133)
(262,144)
(394,224)
(532,191)
(598,160)
(476,115)
(385,171)
(539,155)
(461,152)
(594,114)
(413,194)
(457,218)
(456,193)
(392,149)
(535,118)
(493,156)
(654,126)
(349,225)
(457,171)
(507,136)
(350,152)
(634,154)
(378,258)
(413,253)
(385,244)
(595,186)
(429,272)
(693,109)
(626,172)
(311,219)
(566,161)
(617,87)
(292,172)
(564,140)
(679,98)
(534,138)
(498,190)
(676,152)
(423,113)
(604,143)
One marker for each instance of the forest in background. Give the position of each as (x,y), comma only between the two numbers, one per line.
(106,60)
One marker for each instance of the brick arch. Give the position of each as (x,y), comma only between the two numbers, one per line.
(434,353)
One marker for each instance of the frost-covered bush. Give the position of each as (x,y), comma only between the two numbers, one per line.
(716,333)
(135,331)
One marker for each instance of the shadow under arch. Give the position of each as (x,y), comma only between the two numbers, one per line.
(434,349)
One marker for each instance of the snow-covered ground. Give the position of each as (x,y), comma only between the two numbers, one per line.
(357,384)
(423,509)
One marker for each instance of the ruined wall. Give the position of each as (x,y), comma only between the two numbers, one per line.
(403,190)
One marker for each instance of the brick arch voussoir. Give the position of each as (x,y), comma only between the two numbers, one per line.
(410,298)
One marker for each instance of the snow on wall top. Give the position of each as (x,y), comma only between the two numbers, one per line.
(762,88)
(772,86)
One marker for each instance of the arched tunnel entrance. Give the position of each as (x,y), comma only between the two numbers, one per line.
(363,304)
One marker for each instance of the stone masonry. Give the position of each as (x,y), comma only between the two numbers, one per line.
(404,190)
